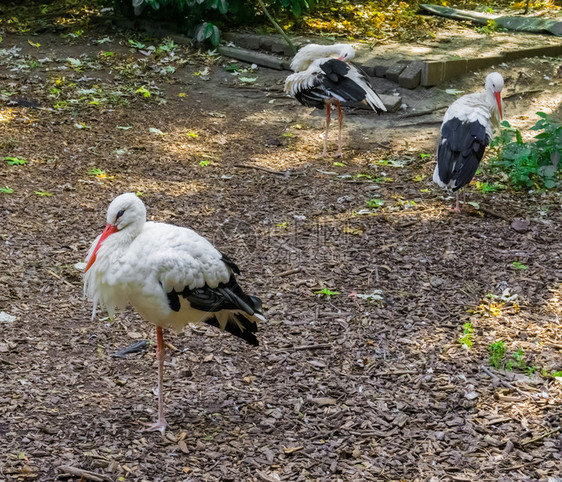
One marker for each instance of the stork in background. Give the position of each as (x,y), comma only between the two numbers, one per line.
(320,81)
(171,275)
(467,129)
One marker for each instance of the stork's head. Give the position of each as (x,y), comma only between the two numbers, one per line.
(347,52)
(494,85)
(125,213)
(125,210)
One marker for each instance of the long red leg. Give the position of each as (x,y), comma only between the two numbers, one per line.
(457,208)
(328,116)
(340,123)
(160,423)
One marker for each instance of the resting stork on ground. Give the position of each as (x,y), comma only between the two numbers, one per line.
(170,275)
(323,78)
(466,131)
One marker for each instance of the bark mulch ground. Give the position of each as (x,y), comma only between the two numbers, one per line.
(372,383)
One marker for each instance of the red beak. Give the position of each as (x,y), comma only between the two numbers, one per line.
(499,102)
(109,229)
(342,59)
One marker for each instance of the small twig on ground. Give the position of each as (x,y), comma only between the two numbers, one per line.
(523,92)
(59,278)
(492,213)
(78,472)
(318,346)
(504,383)
(548,433)
(425,112)
(265,169)
(289,272)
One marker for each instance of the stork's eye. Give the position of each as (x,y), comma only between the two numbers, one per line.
(119,214)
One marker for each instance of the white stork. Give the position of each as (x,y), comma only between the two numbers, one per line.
(466,131)
(321,80)
(170,275)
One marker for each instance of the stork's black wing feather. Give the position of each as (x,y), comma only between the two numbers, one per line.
(345,90)
(335,69)
(367,80)
(226,296)
(460,151)
(240,326)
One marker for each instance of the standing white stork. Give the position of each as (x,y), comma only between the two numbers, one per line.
(321,80)
(466,131)
(171,276)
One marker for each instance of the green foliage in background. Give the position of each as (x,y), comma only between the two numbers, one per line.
(202,18)
(533,164)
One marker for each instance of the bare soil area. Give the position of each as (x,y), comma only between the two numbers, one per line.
(368,384)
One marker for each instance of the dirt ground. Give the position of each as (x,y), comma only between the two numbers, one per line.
(369,384)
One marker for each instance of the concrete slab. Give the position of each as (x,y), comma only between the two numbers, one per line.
(253,57)
(394,71)
(411,76)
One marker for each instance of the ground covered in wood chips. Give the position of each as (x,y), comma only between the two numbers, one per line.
(383,375)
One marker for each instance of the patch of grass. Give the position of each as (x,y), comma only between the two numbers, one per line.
(6,190)
(466,338)
(44,193)
(204,163)
(497,352)
(327,293)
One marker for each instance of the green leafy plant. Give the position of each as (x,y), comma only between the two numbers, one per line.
(489,28)
(497,352)
(204,17)
(517,361)
(374,203)
(6,190)
(486,187)
(466,338)
(204,163)
(519,265)
(43,193)
(15,161)
(529,164)
(326,293)
(143,91)
(100,173)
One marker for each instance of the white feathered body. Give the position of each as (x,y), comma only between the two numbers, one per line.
(142,269)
